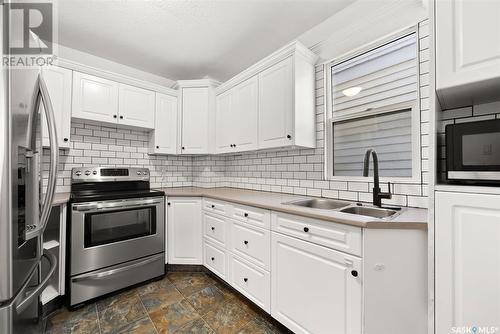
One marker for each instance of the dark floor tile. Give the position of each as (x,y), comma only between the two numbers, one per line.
(160,297)
(260,325)
(228,317)
(198,326)
(189,283)
(173,317)
(153,286)
(141,326)
(206,299)
(82,320)
(121,314)
(116,299)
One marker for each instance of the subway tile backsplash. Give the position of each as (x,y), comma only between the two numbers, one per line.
(299,171)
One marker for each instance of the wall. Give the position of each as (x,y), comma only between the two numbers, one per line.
(116,146)
(301,171)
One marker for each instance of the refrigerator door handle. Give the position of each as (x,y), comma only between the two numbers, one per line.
(35,292)
(42,96)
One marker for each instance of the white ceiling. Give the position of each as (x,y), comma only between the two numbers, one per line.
(188,39)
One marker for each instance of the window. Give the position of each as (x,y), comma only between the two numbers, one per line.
(373,103)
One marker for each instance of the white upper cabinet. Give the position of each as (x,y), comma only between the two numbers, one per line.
(276,105)
(95,98)
(136,107)
(197,116)
(236,118)
(163,139)
(467,51)
(58,81)
(271,104)
(467,260)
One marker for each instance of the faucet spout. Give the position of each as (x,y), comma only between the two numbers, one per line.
(377,194)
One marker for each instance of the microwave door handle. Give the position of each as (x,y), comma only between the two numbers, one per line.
(54,151)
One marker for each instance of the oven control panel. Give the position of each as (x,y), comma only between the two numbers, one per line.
(108,174)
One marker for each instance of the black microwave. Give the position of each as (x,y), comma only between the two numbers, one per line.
(473,151)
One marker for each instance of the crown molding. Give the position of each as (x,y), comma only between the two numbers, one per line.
(79,67)
(290,49)
(206,82)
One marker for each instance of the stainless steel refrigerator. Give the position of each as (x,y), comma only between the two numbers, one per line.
(24,208)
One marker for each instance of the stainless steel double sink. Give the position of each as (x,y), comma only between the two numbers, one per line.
(345,207)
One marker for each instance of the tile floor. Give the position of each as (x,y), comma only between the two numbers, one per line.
(179,303)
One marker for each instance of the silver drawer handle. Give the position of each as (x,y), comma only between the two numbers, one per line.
(107,273)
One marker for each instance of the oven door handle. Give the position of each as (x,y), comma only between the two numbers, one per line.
(104,274)
(115,205)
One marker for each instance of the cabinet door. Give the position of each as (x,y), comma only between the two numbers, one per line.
(58,82)
(184,231)
(165,131)
(276,105)
(467,45)
(313,290)
(467,260)
(94,98)
(195,120)
(224,122)
(136,107)
(246,113)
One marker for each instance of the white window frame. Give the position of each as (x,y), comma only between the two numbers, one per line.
(415,116)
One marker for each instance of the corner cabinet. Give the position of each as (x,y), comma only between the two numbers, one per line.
(58,81)
(184,228)
(467,51)
(163,139)
(197,116)
(269,105)
(467,261)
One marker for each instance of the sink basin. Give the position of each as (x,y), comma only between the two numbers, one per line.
(319,203)
(371,212)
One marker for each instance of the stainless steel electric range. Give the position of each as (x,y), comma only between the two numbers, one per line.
(117,231)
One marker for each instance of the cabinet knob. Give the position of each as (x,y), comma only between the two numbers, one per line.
(245,279)
(121,117)
(65,139)
(213,258)
(234,145)
(168,203)
(306,229)
(115,116)
(246,214)
(213,206)
(289,136)
(245,242)
(354,273)
(183,148)
(157,146)
(213,228)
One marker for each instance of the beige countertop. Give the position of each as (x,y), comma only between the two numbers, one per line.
(409,218)
(60,198)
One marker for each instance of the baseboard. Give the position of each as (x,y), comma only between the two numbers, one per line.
(197,268)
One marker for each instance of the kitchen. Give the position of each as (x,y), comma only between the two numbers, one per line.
(339,176)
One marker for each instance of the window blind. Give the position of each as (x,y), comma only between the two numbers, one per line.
(387,76)
(389,134)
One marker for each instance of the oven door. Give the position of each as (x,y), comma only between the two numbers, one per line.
(473,150)
(111,232)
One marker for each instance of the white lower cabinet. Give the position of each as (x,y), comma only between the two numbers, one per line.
(184,244)
(215,259)
(251,281)
(467,261)
(251,243)
(315,289)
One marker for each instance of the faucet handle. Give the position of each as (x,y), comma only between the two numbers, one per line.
(389,187)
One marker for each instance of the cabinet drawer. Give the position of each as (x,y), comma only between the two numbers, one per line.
(215,228)
(250,215)
(215,259)
(252,243)
(215,206)
(251,281)
(337,236)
